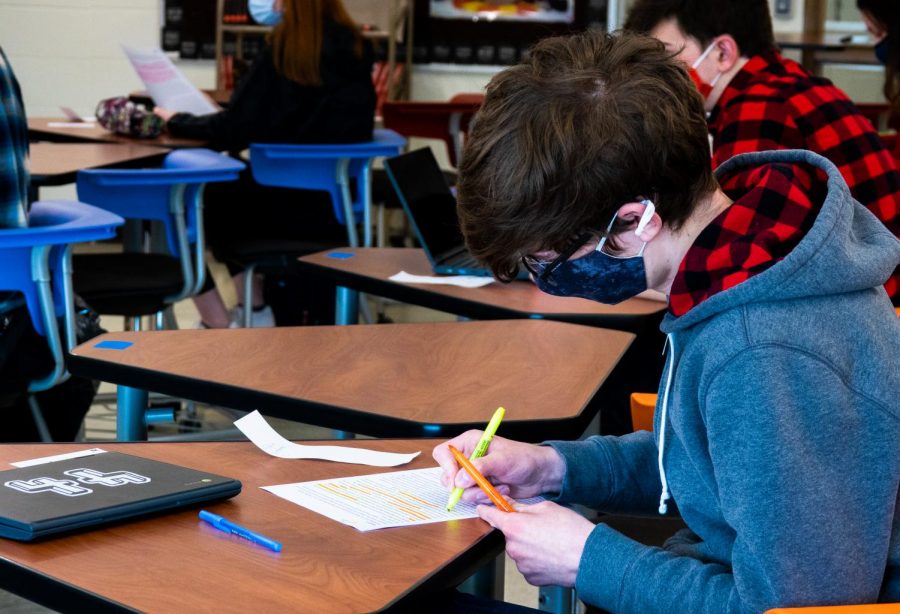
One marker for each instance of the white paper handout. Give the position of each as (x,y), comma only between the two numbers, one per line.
(58,457)
(167,85)
(463,281)
(379,501)
(260,432)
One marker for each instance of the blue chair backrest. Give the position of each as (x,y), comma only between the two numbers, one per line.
(315,166)
(51,223)
(144,193)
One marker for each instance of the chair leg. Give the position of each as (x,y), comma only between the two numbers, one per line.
(38,417)
(165,319)
(248,296)
(381,227)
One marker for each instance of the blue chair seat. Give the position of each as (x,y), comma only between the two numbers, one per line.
(37,263)
(330,168)
(138,283)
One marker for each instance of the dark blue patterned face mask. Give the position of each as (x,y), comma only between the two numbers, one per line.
(599,276)
(882,49)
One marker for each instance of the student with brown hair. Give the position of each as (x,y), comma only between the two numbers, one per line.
(311,84)
(758,100)
(776,431)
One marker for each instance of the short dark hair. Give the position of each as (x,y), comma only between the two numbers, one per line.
(586,124)
(747,21)
(887,14)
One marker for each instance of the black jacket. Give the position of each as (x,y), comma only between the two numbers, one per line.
(267,107)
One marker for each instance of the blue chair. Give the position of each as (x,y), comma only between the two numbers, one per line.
(138,282)
(330,168)
(37,262)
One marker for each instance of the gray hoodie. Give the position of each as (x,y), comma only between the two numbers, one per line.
(777,434)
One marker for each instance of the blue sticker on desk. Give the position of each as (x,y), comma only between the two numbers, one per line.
(114,345)
(340,255)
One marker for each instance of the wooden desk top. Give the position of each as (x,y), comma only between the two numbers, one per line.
(819,49)
(390,380)
(801,40)
(369,270)
(176,563)
(57,163)
(39,129)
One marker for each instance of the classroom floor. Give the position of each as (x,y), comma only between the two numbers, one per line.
(203,421)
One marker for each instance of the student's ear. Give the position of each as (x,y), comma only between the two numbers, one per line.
(634,212)
(727,52)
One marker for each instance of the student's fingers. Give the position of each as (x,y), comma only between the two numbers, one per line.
(492,515)
(465,443)
(496,517)
(476,495)
(494,466)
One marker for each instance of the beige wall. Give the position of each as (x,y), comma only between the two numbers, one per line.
(67,52)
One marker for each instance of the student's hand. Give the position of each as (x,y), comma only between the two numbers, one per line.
(166,114)
(517,469)
(545,540)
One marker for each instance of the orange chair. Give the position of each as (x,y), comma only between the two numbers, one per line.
(643,404)
(875,608)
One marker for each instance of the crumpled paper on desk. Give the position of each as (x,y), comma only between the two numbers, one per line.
(463,281)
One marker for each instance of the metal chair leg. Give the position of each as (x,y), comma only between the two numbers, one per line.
(38,417)
(248,296)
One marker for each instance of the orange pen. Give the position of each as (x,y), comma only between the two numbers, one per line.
(482,481)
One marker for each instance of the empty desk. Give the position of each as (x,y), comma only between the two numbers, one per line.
(397,380)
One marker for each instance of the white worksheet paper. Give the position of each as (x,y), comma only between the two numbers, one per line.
(167,86)
(380,501)
(260,432)
(463,281)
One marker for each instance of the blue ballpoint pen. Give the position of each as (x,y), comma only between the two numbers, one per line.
(229,527)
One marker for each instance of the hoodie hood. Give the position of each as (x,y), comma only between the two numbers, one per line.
(846,250)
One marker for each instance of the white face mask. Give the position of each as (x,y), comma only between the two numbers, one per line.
(263,13)
(697,64)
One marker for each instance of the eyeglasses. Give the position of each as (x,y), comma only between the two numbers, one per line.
(542,269)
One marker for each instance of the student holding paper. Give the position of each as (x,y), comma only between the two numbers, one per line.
(312,84)
(777,424)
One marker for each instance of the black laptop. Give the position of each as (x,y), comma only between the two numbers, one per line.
(101,487)
(431,208)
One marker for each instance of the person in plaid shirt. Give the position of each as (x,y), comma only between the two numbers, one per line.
(24,354)
(14,178)
(757,100)
(777,424)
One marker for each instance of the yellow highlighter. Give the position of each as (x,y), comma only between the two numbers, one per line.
(479,451)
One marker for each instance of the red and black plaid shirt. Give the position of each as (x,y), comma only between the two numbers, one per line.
(773,103)
(774,207)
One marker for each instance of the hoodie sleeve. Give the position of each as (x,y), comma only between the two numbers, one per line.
(806,483)
(613,474)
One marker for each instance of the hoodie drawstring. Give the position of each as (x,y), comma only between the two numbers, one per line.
(665,496)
